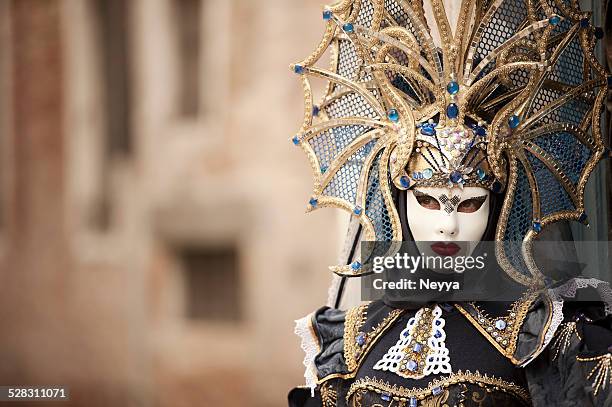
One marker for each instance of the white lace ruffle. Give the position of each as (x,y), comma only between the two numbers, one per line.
(557,319)
(310,346)
(568,290)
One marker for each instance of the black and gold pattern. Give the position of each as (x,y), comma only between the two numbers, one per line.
(458,389)
(566,334)
(601,373)
(357,342)
(501,331)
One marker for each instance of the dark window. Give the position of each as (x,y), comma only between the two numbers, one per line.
(212,283)
(113,35)
(188,26)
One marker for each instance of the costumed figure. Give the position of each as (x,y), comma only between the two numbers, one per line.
(483,124)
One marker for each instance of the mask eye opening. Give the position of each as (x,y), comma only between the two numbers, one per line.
(427,201)
(471,205)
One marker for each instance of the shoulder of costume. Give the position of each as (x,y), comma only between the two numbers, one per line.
(578,363)
(537,317)
(336,342)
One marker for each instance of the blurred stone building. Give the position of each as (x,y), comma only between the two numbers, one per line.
(153,246)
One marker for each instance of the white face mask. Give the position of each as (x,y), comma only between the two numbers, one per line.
(443,219)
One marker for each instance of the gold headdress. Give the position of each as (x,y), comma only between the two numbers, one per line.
(510,100)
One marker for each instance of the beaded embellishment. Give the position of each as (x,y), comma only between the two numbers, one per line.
(420,351)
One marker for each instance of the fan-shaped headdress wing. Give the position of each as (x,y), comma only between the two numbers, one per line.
(510,99)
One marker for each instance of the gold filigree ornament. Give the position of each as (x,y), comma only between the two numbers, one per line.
(420,396)
(509,100)
(357,341)
(329,396)
(502,331)
(563,338)
(600,374)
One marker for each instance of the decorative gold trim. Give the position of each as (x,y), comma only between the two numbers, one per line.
(563,338)
(329,396)
(355,352)
(513,322)
(602,371)
(403,394)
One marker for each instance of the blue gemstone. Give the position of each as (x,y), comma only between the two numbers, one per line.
(428,129)
(296,140)
(406,334)
(427,173)
(413,402)
(496,187)
(500,324)
(324,169)
(412,365)
(514,121)
(583,218)
(453,88)
(438,334)
(313,202)
(585,23)
(404,181)
(417,347)
(385,396)
(438,322)
(599,33)
(554,20)
(452,111)
(348,27)
(356,265)
(455,177)
(537,227)
(315,110)
(436,390)
(360,339)
(357,211)
(393,115)
(480,131)
(482,175)
(327,15)
(446,307)
(298,69)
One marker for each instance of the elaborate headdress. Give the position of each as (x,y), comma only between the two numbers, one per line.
(512,99)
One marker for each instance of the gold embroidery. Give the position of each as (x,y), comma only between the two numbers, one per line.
(601,371)
(563,339)
(423,329)
(436,401)
(329,396)
(502,332)
(358,343)
(437,387)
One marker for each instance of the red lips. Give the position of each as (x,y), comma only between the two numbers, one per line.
(445,249)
